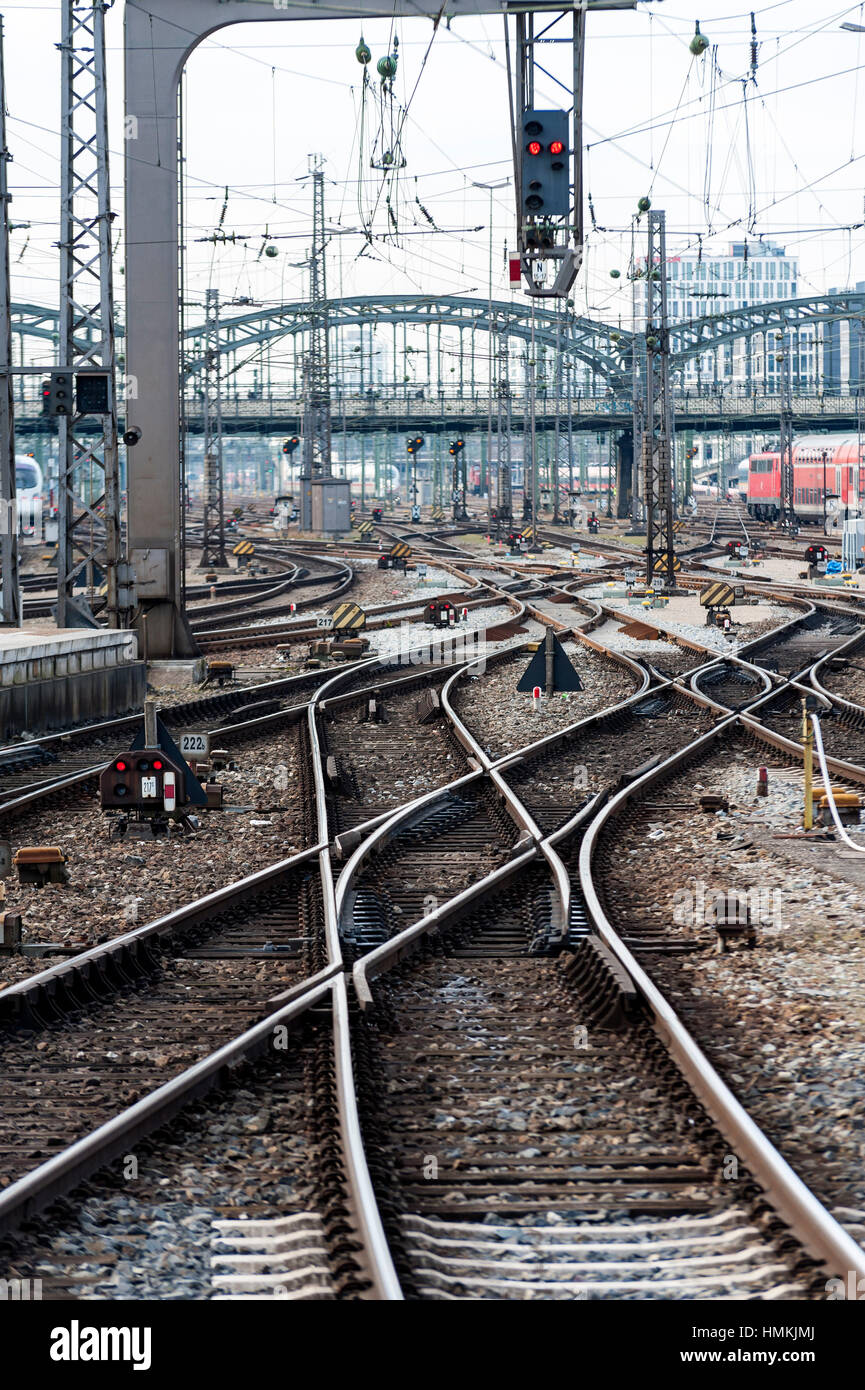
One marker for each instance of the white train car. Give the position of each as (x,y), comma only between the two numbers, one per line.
(29,493)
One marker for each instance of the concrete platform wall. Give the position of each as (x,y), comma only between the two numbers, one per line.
(45,706)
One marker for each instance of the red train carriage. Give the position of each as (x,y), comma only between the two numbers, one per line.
(821,463)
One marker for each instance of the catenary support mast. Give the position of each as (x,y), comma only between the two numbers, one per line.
(10,589)
(657,445)
(89,483)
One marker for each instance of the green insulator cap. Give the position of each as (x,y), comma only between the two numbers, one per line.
(386,67)
(644,204)
(651,342)
(362,53)
(271,251)
(614,274)
(699,43)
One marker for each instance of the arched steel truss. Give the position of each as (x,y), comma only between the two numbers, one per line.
(604,348)
(694,337)
(591,343)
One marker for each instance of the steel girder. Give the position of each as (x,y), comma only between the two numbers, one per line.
(692,338)
(591,342)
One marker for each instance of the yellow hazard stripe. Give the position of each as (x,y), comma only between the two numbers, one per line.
(715,595)
(349,615)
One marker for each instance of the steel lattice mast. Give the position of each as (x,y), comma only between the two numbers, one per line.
(504,504)
(10,589)
(638,397)
(657,442)
(316,365)
(89,528)
(213,540)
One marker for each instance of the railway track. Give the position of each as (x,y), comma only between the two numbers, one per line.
(533,1122)
(516,1160)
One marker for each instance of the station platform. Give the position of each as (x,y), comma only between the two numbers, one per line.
(53,677)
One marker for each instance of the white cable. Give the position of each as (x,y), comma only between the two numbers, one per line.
(827,783)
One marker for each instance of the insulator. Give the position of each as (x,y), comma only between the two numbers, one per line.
(699,43)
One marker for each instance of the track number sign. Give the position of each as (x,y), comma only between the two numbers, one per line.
(148,786)
(195,745)
(324,622)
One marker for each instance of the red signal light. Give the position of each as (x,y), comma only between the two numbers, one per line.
(120,765)
(556,147)
(157,764)
(534,147)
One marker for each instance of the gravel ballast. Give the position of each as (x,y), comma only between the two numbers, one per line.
(783,1022)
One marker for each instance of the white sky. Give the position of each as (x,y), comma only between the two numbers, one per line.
(260,97)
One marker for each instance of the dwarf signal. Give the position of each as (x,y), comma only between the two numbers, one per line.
(142,780)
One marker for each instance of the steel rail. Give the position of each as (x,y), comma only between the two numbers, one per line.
(22,1199)
(391,952)
(816,1229)
(376,1256)
(67,973)
(845,649)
